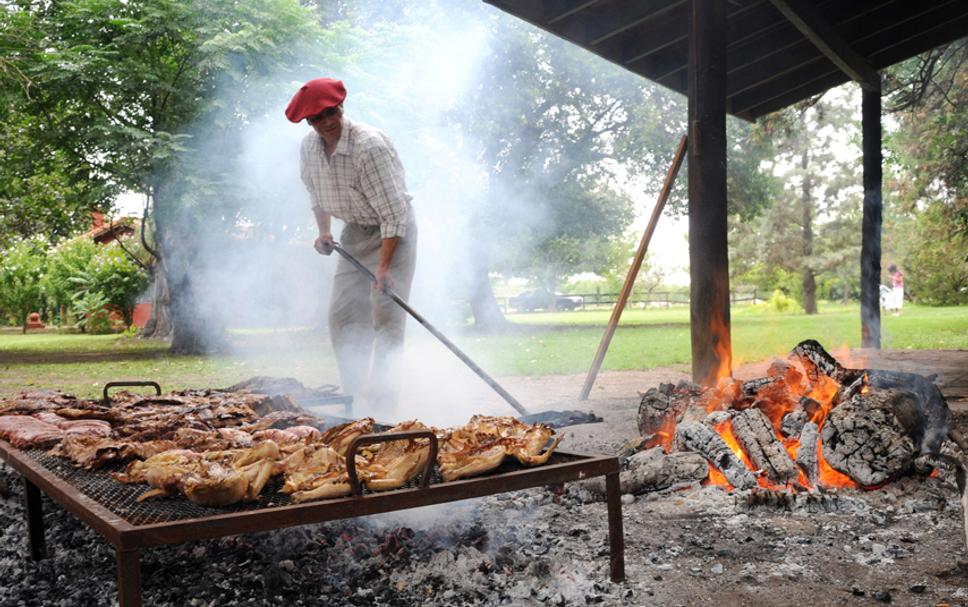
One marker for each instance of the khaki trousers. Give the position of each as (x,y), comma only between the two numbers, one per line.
(367,327)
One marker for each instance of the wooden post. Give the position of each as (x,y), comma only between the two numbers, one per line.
(634,270)
(708,260)
(870,248)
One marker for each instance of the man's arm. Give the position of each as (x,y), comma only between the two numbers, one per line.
(324,243)
(383,279)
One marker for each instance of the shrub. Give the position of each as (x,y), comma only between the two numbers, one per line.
(21,272)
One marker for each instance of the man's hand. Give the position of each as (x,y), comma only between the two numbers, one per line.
(324,244)
(384,281)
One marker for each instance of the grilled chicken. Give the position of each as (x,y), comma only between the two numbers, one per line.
(315,472)
(392,464)
(482,444)
(214,478)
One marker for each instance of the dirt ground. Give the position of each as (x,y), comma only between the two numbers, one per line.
(900,545)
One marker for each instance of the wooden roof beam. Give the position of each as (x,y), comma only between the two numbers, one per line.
(813,26)
(556,10)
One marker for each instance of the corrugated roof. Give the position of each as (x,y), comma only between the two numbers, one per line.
(771,61)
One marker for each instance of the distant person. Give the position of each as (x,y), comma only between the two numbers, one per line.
(897,290)
(353,173)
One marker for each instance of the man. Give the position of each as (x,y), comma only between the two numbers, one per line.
(353,173)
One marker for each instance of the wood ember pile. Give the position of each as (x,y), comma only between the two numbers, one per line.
(809,422)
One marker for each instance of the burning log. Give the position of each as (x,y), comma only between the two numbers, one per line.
(817,361)
(653,470)
(807,453)
(660,409)
(863,439)
(755,433)
(703,440)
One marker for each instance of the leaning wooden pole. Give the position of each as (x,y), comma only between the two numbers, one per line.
(634,270)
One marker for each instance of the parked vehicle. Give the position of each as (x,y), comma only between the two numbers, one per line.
(529,301)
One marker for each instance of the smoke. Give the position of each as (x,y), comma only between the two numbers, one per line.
(262,272)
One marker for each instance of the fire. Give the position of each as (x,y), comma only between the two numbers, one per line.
(665,436)
(852,360)
(723,348)
(717,478)
(830,477)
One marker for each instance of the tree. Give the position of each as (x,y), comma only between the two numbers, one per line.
(785,241)
(929,97)
(21,272)
(126,88)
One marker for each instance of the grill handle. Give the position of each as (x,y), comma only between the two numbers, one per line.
(384,437)
(126,384)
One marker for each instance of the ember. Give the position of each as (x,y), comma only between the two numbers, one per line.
(811,422)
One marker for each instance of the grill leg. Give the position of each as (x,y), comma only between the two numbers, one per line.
(129,577)
(616,537)
(35,520)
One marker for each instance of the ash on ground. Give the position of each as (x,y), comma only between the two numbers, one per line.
(685,545)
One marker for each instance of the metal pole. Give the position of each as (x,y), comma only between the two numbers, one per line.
(433,330)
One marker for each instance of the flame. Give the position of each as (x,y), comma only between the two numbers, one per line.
(716,477)
(824,392)
(849,359)
(830,477)
(665,436)
(723,347)
(935,473)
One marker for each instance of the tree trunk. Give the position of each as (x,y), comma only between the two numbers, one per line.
(159,325)
(487,314)
(809,279)
(180,311)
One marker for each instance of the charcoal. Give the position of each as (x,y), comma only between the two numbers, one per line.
(863,439)
(807,453)
(923,410)
(561,419)
(793,423)
(811,407)
(703,440)
(755,433)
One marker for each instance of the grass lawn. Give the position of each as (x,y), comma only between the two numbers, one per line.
(541,343)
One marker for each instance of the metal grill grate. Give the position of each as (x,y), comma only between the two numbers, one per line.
(122,499)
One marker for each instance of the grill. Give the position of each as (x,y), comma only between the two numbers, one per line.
(122,499)
(111,508)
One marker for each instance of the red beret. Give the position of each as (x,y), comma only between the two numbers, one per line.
(314,97)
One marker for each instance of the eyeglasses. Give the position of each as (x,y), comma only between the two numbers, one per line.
(327,113)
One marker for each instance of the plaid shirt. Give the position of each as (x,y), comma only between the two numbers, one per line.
(362,182)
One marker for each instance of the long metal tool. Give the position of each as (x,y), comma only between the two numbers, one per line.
(443,339)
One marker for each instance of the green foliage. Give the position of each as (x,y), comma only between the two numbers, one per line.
(936,272)
(926,228)
(780,302)
(110,276)
(64,264)
(21,273)
(90,308)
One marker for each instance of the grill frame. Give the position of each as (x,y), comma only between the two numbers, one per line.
(128,539)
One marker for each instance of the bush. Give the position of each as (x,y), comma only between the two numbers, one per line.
(21,272)
(64,264)
(781,302)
